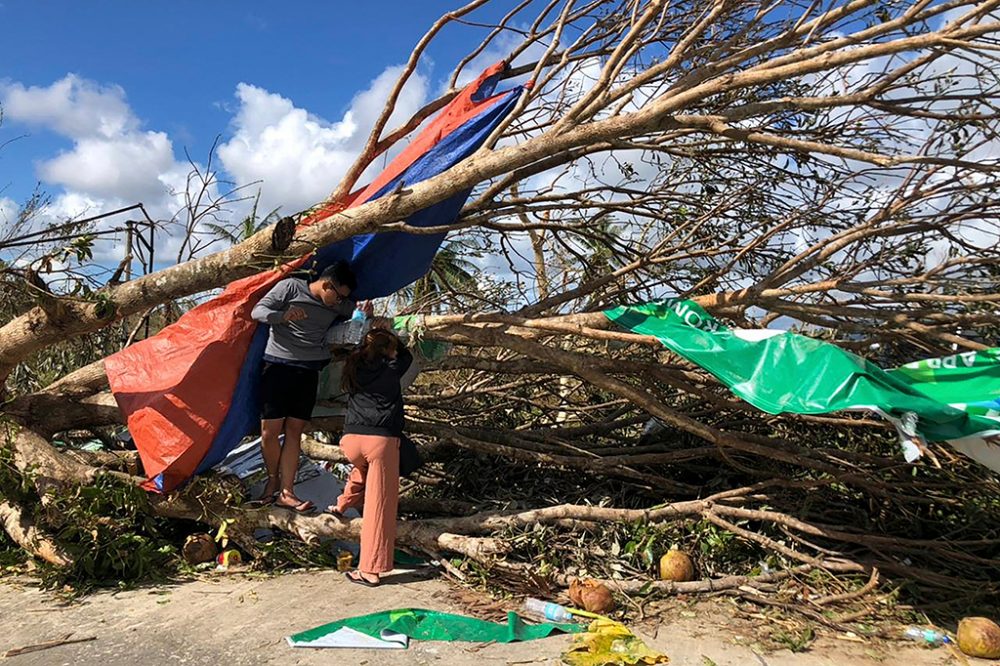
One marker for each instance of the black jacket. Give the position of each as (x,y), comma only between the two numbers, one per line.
(377,407)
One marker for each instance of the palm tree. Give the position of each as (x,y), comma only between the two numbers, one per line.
(449,273)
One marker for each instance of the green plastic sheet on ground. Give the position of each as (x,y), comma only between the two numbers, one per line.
(393,629)
(952,399)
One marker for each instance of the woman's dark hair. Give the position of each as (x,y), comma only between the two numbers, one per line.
(378,343)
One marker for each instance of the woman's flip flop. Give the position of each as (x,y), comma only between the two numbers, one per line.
(360,579)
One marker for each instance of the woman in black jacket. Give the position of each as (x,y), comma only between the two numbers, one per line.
(372,430)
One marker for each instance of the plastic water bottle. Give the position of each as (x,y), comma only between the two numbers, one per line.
(349,332)
(548,610)
(926,636)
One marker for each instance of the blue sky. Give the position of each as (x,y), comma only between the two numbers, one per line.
(108,95)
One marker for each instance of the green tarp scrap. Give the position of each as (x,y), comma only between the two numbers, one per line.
(393,629)
(952,399)
(428,350)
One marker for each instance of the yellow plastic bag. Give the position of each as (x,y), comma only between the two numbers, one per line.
(609,642)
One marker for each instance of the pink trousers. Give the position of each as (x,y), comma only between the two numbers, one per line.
(374,482)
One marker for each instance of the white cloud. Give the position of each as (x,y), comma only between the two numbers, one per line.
(127,166)
(8,211)
(76,205)
(112,158)
(299,157)
(115,161)
(74,107)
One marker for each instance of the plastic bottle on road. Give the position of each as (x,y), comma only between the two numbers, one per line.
(926,636)
(548,610)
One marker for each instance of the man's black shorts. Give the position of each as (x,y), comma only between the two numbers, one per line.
(287,391)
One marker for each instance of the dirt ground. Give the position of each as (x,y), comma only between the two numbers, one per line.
(231,619)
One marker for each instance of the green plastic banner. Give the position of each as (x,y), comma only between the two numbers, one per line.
(969,381)
(952,399)
(393,629)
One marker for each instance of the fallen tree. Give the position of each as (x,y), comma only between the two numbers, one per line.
(826,169)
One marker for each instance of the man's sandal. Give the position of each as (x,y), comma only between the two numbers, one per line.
(266,499)
(304,506)
(260,502)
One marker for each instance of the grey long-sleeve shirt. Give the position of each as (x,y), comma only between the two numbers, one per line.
(304,340)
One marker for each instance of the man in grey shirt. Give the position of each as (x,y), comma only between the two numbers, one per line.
(300,314)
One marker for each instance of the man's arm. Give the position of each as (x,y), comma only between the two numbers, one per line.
(271,309)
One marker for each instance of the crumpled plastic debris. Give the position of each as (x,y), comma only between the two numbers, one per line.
(607,642)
